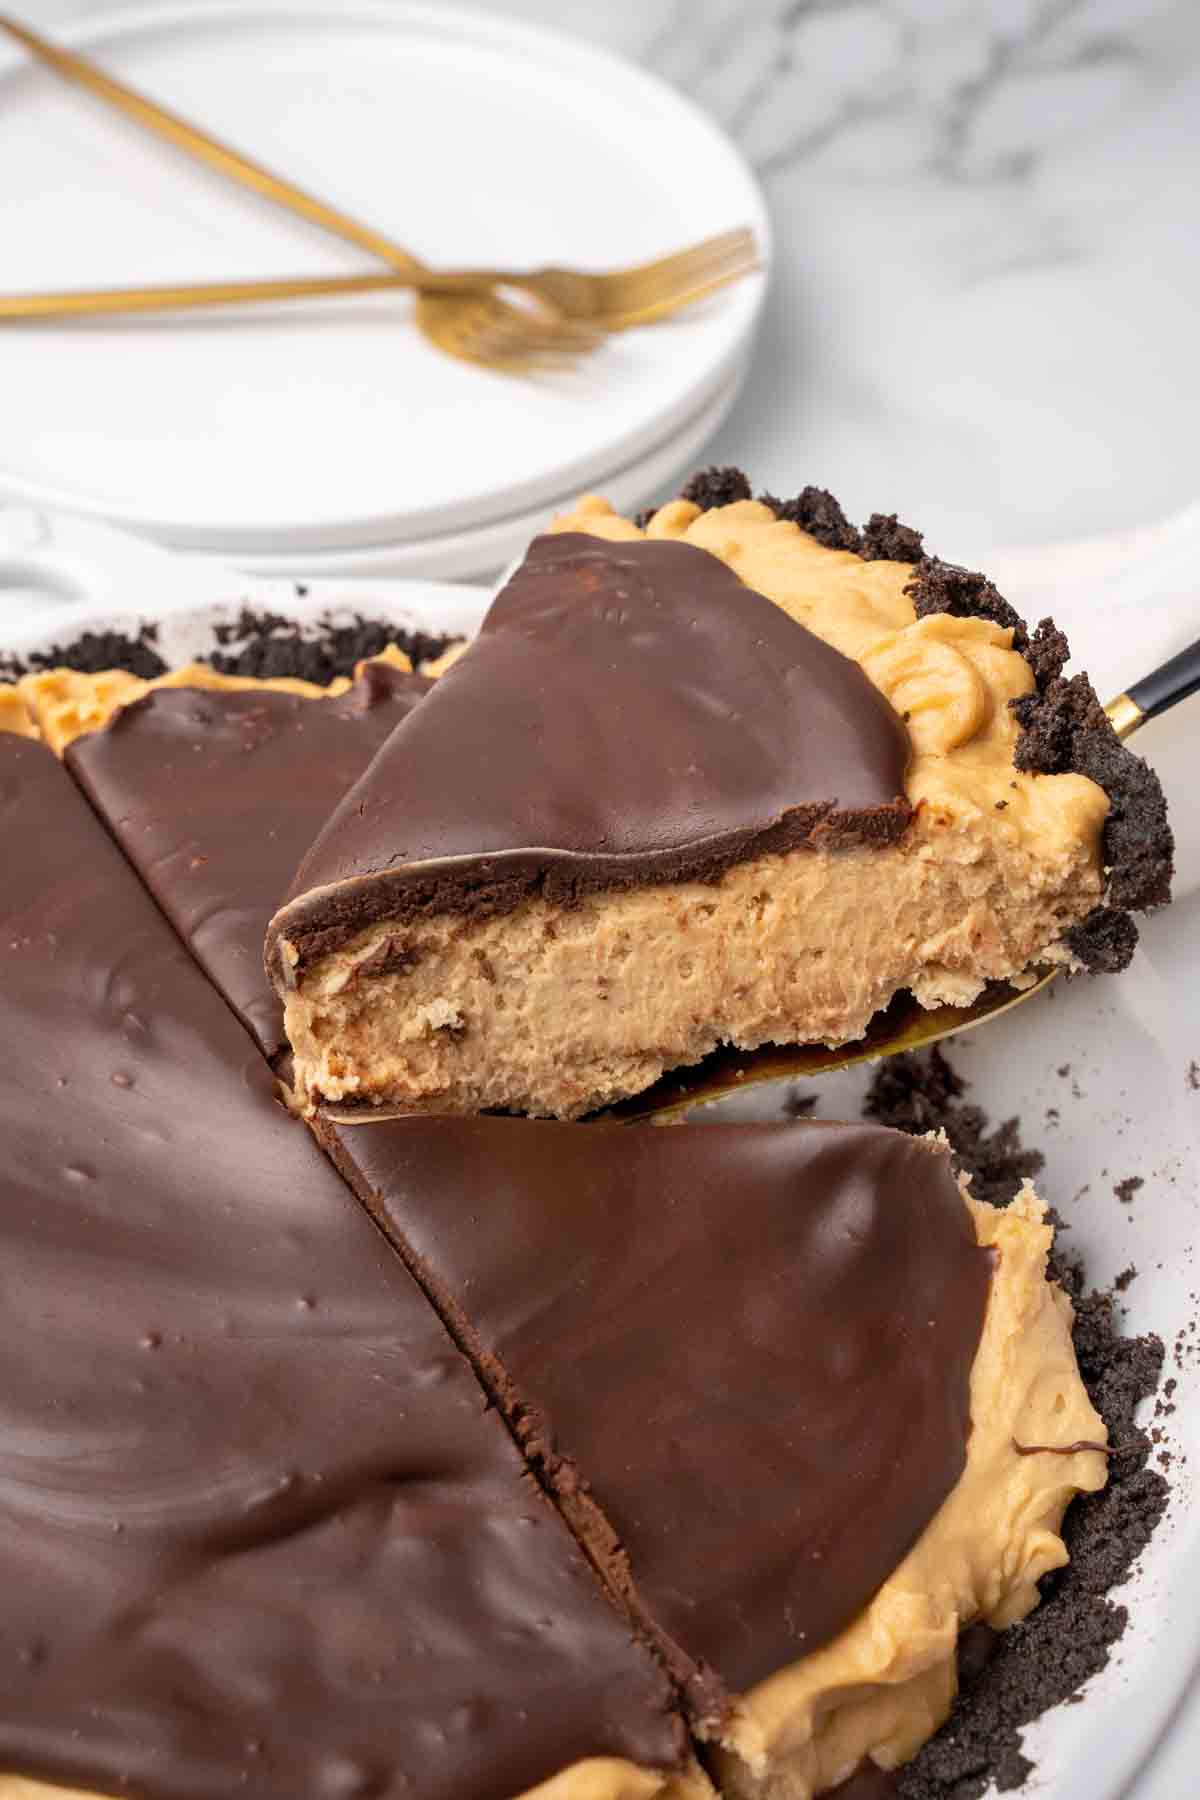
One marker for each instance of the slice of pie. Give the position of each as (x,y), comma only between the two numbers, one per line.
(812,1409)
(739,777)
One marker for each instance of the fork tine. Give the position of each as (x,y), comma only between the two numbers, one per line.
(740,238)
(514,334)
(498,335)
(704,263)
(662,300)
(685,265)
(669,305)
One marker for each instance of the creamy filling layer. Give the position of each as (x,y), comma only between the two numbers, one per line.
(555,1011)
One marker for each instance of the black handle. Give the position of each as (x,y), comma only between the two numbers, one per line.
(1167,685)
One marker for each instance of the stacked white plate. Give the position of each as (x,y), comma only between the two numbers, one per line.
(330,438)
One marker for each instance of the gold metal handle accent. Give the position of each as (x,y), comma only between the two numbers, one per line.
(1124,714)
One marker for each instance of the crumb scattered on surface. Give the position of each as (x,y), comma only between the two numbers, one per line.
(264,644)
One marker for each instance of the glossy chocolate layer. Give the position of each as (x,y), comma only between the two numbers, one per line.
(215,797)
(628,713)
(257,1533)
(752,1342)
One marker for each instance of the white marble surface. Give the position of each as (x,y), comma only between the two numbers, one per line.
(984,302)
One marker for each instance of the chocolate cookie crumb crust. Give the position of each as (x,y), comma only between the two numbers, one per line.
(91,653)
(264,645)
(1064,729)
(267,644)
(1049,1657)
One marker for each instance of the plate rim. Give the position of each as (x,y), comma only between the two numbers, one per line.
(365,531)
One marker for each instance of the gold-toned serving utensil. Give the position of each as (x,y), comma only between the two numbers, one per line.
(576,304)
(904,1025)
(447,314)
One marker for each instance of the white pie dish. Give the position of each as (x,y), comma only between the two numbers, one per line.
(1126,1106)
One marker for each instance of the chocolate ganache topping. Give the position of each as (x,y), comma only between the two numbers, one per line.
(752,1343)
(258,1534)
(629,713)
(215,796)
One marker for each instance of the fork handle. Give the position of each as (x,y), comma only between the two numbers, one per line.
(90,302)
(1156,692)
(1165,686)
(223,157)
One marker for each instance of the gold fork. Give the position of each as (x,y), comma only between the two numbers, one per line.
(87,302)
(465,311)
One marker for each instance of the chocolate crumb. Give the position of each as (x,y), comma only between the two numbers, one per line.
(1193,1076)
(716,486)
(1048,652)
(1104,942)
(816,511)
(884,539)
(1125,1280)
(1065,728)
(797,1105)
(1125,1190)
(260,644)
(92,652)
(942,587)
(920,1093)
(1048,1658)
(642,519)
(269,645)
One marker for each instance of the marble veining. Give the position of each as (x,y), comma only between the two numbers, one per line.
(982,312)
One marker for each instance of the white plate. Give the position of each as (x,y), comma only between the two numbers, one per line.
(1126,1108)
(78,562)
(60,576)
(471,138)
(485,548)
